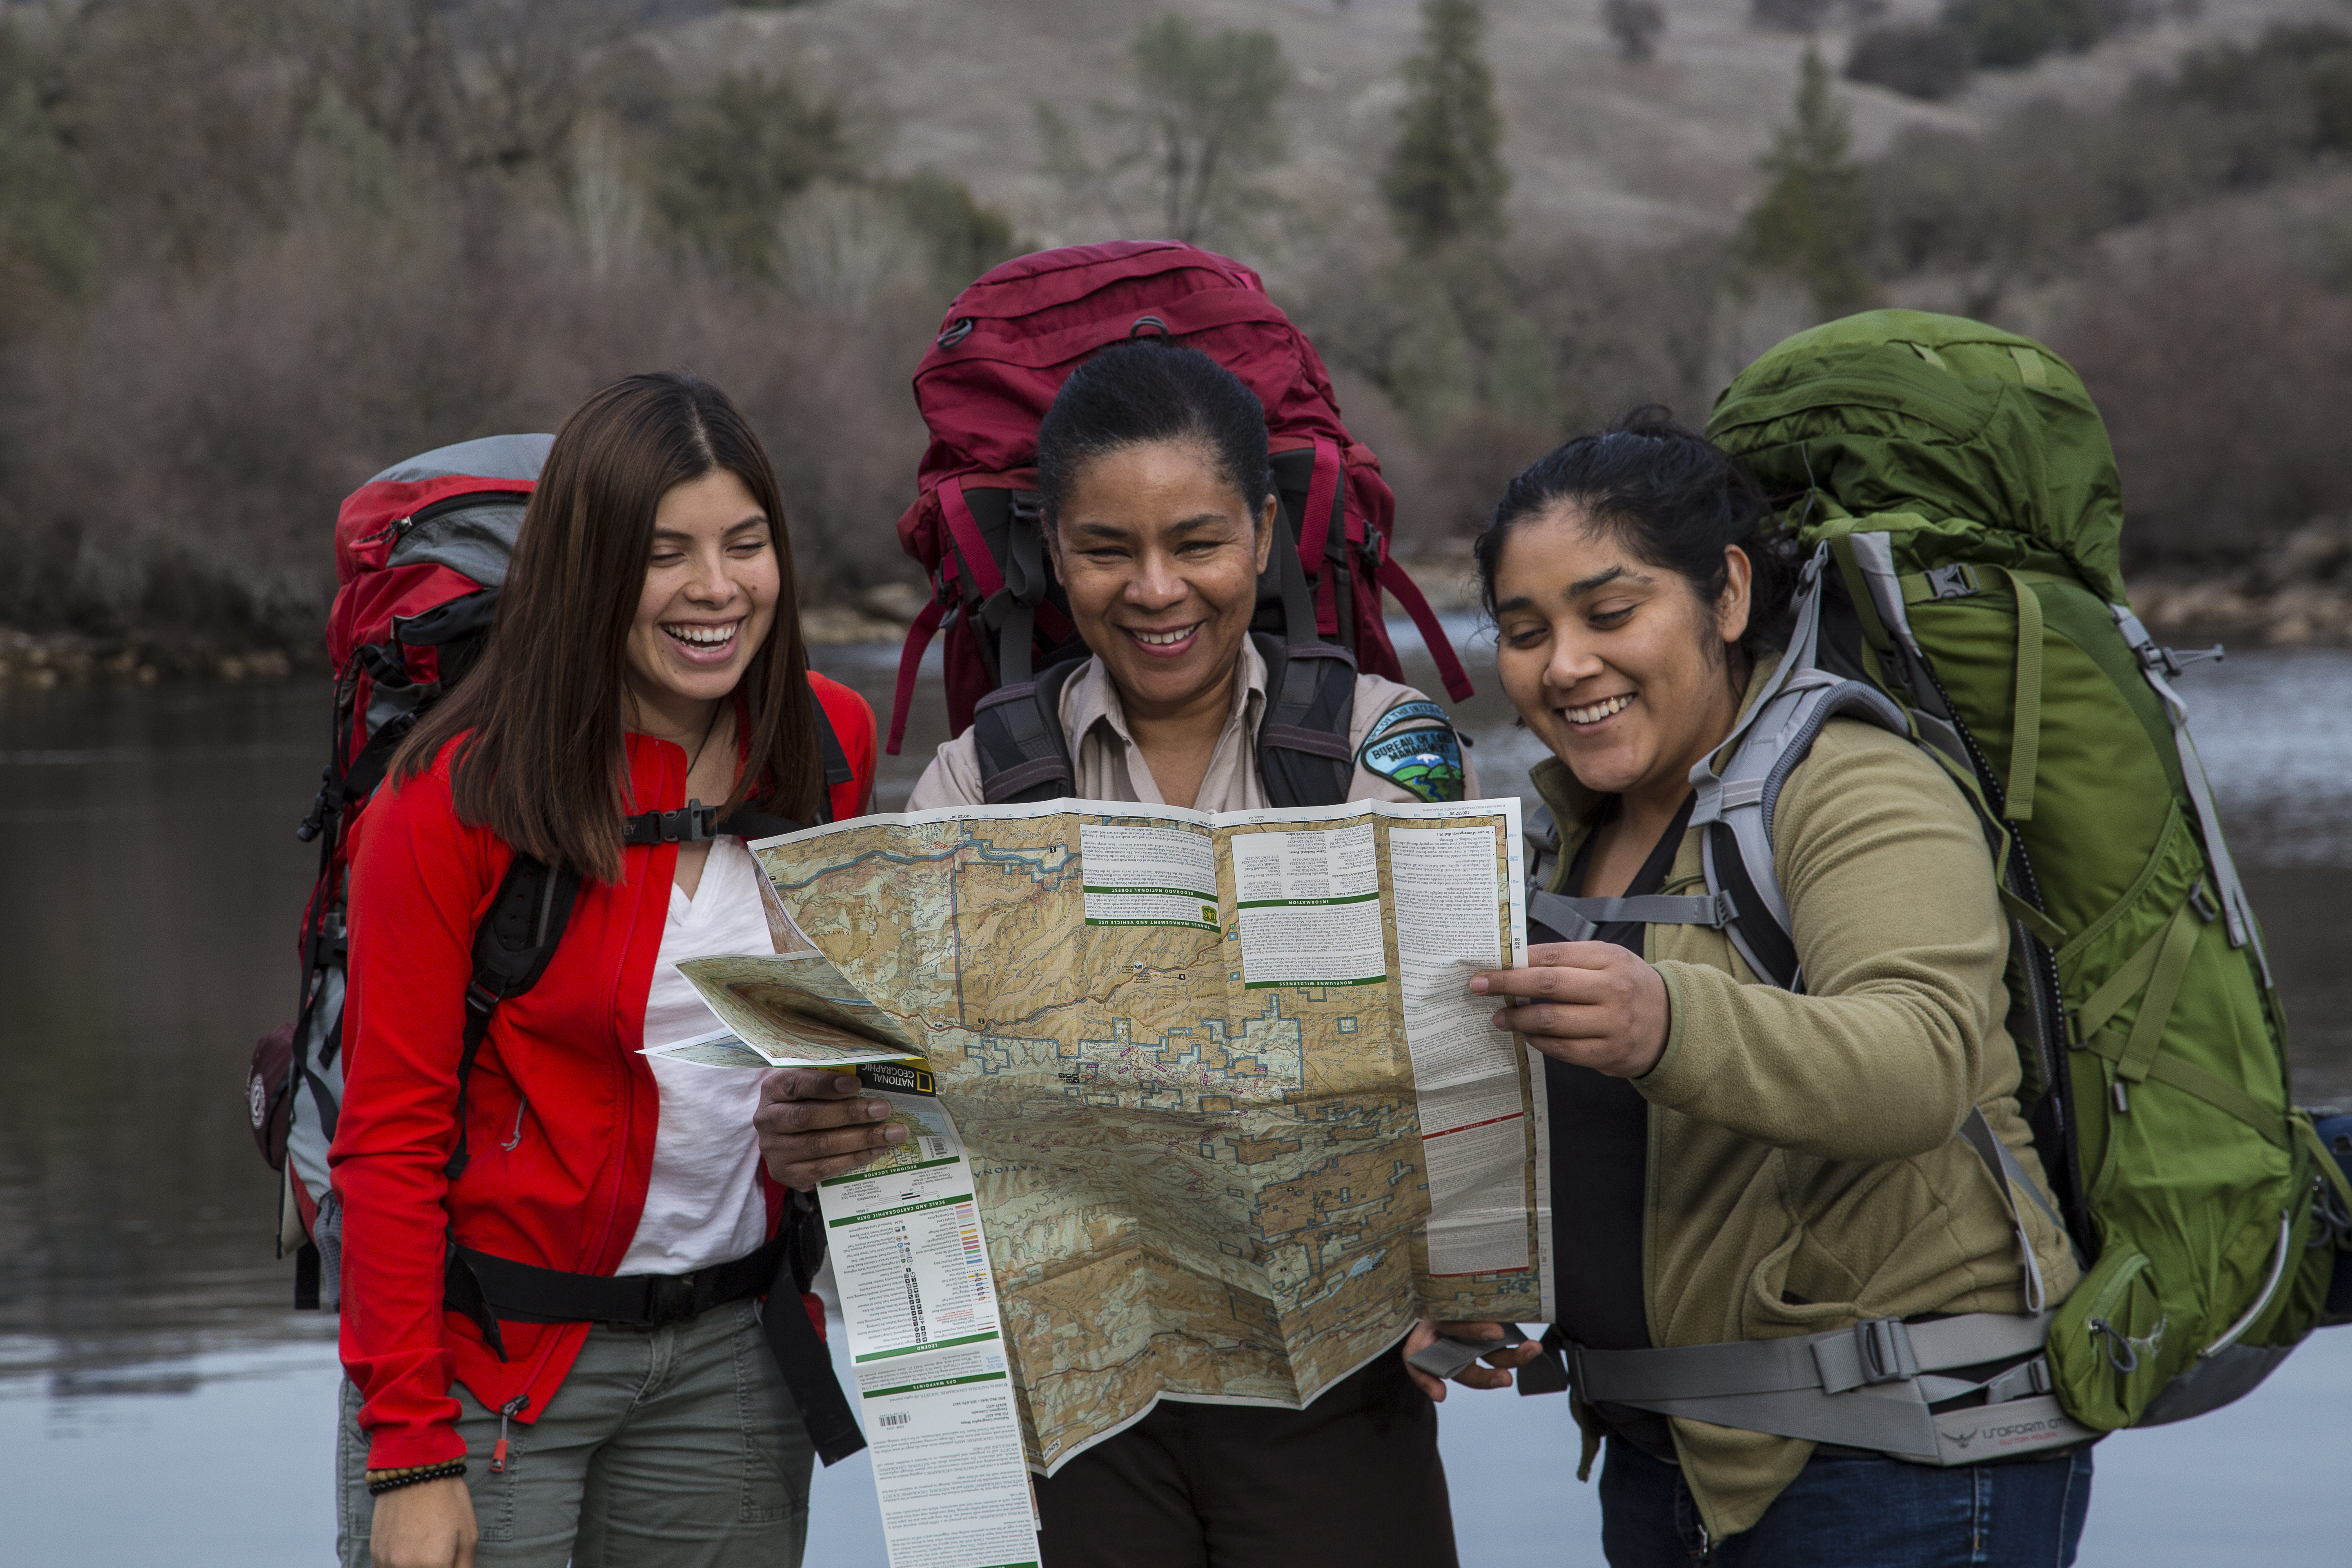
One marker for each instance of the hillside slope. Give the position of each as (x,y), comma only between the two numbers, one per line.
(1598,149)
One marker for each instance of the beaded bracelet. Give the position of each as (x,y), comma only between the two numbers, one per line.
(381,1481)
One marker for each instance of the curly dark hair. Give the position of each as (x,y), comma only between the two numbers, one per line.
(1672,497)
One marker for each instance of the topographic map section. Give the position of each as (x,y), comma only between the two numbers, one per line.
(1232,1124)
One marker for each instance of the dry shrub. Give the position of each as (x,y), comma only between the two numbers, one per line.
(174,462)
(1417,351)
(2225,375)
(309,240)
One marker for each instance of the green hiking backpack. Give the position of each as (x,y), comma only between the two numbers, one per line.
(1956,491)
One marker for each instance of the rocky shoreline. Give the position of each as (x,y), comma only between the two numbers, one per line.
(37,661)
(2297,593)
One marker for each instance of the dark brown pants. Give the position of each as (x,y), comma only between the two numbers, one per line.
(1353,1480)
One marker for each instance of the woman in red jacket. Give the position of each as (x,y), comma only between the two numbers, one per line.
(552,1259)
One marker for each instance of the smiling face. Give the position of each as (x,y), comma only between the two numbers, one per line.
(1160,556)
(709,601)
(1615,664)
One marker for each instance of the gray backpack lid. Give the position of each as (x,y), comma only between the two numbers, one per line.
(491,456)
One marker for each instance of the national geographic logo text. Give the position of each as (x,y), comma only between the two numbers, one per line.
(897,1077)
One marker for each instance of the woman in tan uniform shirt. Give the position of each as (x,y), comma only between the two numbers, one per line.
(1158,511)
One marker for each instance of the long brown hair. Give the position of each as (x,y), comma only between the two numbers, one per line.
(541,760)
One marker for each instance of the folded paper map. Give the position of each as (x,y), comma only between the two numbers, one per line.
(1233,1117)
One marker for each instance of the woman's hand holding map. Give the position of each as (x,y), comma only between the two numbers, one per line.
(812,1124)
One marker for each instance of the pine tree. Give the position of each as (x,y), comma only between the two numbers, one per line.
(1446,180)
(1814,216)
(1520,384)
(1635,25)
(48,253)
(1209,101)
(1205,122)
(755,143)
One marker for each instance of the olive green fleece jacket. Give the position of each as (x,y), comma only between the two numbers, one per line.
(1805,1170)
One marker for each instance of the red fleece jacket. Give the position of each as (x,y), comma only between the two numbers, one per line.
(560,1109)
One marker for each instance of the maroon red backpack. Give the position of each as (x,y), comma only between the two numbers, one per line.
(1007,344)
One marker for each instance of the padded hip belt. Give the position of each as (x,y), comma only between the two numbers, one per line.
(526,1293)
(486,1289)
(1872,1387)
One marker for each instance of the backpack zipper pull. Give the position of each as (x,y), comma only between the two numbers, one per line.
(507,1412)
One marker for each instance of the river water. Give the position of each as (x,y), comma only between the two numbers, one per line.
(159,1401)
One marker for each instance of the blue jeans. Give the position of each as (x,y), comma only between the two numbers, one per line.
(1852,1511)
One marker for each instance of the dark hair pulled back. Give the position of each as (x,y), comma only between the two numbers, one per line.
(1146,391)
(1675,499)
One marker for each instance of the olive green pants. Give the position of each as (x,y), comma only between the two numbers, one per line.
(673,1447)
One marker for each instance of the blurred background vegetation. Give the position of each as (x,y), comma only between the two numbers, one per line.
(252,251)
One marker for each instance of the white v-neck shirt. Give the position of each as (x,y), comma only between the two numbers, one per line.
(703,1203)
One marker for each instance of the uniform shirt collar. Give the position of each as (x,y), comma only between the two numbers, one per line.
(1094,702)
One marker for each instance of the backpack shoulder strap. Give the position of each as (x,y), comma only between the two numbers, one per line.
(837,769)
(1737,809)
(1541,836)
(514,944)
(512,949)
(1303,752)
(1310,706)
(1017,733)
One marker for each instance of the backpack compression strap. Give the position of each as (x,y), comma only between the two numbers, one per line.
(458,619)
(1017,733)
(2236,913)
(512,949)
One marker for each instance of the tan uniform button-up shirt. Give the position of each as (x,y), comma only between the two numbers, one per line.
(1109,767)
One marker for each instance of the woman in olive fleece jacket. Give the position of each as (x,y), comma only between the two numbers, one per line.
(1733,1160)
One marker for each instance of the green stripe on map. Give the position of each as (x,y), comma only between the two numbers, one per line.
(1310,984)
(936,1382)
(1171,924)
(1304,903)
(928,1345)
(869,1175)
(907,1208)
(866,1176)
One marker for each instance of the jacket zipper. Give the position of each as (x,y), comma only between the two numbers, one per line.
(604,1240)
(507,1412)
(447,504)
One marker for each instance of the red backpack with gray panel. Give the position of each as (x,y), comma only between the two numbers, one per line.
(421,551)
